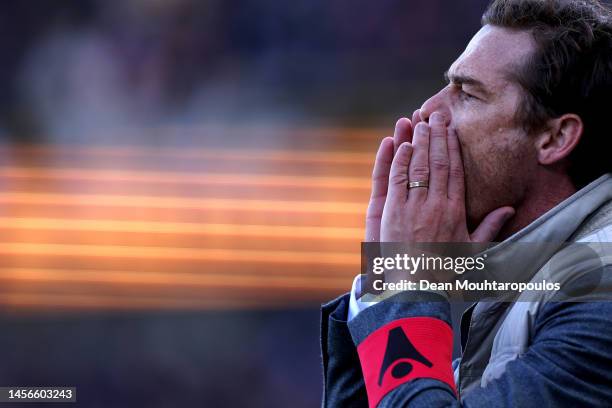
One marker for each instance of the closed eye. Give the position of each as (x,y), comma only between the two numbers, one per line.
(465,95)
(462,93)
(459,82)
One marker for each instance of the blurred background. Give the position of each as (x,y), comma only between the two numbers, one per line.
(184,182)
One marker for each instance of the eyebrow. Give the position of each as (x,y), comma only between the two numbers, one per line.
(468,80)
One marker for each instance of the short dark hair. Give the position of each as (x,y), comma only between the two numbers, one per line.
(569,72)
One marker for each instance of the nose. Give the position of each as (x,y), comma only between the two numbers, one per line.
(436,103)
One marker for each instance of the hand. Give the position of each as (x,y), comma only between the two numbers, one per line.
(380,176)
(433,214)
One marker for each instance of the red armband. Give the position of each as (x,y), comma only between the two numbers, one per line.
(404,350)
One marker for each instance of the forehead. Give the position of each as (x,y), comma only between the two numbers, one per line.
(492,53)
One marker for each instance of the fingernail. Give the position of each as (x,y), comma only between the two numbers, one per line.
(422,127)
(399,121)
(436,118)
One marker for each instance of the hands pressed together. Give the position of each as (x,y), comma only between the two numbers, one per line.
(434,210)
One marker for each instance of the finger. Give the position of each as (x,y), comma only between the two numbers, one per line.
(382,165)
(403,133)
(456,175)
(380,181)
(492,224)
(416,118)
(398,175)
(419,165)
(438,157)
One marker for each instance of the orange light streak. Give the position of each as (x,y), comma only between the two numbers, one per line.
(184,203)
(173,280)
(46,173)
(323,233)
(311,156)
(197,254)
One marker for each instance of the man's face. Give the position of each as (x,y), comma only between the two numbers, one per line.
(480,103)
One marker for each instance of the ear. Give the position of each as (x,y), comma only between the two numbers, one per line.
(560,138)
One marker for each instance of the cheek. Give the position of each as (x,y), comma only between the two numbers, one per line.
(490,159)
(470,143)
(482,135)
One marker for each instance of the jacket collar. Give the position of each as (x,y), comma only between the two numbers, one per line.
(520,256)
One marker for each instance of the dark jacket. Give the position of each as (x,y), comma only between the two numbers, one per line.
(536,354)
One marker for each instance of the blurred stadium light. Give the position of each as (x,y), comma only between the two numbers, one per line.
(141,228)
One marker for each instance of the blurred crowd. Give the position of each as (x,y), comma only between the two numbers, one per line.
(77,68)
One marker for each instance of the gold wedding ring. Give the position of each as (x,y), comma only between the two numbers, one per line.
(415,184)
